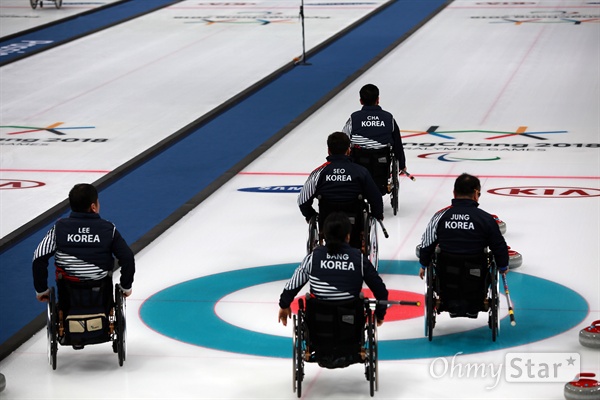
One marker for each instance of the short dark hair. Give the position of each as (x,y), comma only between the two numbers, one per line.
(466,185)
(82,196)
(338,143)
(336,227)
(369,94)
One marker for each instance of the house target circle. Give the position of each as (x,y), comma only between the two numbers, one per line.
(186,312)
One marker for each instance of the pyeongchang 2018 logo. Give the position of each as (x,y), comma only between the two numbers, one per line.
(547,192)
(19,135)
(521,131)
(454,143)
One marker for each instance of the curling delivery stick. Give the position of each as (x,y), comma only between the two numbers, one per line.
(412,178)
(385,232)
(511,312)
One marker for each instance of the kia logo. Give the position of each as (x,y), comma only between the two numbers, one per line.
(19,184)
(556,192)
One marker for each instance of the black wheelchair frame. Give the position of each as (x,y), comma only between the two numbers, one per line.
(373,160)
(35,3)
(312,345)
(113,326)
(436,303)
(369,236)
(366,346)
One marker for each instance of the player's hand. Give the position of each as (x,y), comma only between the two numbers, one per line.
(284,314)
(44,296)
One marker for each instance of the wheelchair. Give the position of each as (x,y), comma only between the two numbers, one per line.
(88,315)
(383,166)
(337,334)
(35,3)
(364,227)
(334,334)
(463,286)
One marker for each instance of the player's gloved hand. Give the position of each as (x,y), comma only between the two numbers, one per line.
(44,296)
(504,270)
(126,292)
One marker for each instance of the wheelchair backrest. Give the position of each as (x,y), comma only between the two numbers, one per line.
(353,209)
(372,156)
(87,297)
(335,326)
(461,276)
(378,162)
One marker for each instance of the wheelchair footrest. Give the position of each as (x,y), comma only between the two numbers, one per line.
(332,361)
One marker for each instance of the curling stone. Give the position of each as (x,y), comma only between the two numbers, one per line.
(501,224)
(590,336)
(2,382)
(515,259)
(583,388)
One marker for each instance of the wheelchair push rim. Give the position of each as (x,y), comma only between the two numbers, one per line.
(51,328)
(430,303)
(395,186)
(121,328)
(372,356)
(297,350)
(495,303)
(313,234)
(371,240)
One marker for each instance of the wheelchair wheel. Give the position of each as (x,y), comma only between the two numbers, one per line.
(371,242)
(372,359)
(313,234)
(395,187)
(495,303)
(429,303)
(51,328)
(298,353)
(121,328)
(58,3)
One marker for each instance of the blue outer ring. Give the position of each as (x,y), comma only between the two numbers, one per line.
(185,312)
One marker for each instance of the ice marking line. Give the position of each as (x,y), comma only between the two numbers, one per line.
(123,75)
(274,173)
(440,175)
(420,221)
(512,76)
(95,171)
